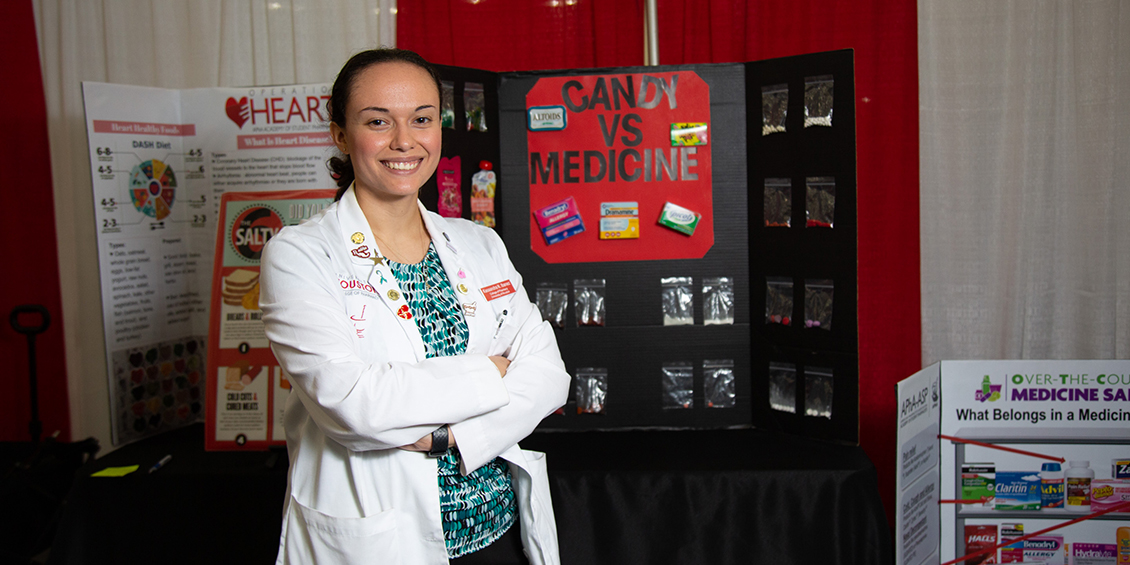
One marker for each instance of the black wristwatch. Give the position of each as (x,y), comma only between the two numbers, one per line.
(439,442)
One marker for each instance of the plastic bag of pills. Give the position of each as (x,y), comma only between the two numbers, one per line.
(818,98)
(820,202)
(778,300)
(717,300)
(474,104)
(588,302)
(818,392)
(782,387)
(774,108)
(590,390)
(818,303)
(678,301)
(718,383)
(678,385)
(447,104)
(552,301)
(778,203)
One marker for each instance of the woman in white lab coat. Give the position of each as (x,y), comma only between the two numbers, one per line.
(415,357)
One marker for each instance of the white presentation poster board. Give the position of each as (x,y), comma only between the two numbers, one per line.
(160,160)
(1050,411)
(917,461)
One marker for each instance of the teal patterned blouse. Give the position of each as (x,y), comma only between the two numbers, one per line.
(479,508)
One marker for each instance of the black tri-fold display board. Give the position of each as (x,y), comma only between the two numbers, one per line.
(689,230)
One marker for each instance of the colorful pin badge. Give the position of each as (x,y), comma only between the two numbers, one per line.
(404,313)
(462,275)
(357,238)
(361,252)
(469,309)
(462,288)
(393,295)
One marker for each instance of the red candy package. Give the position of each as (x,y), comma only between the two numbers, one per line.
(978,538)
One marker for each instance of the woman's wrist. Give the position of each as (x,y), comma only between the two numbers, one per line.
(439,442)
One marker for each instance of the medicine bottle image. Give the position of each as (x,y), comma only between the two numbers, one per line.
(1051,486)
(1122,538)
(1078,489)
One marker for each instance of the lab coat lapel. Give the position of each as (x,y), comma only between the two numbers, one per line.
(369,265)
(457,263)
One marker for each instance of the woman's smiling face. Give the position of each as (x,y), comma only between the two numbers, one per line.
(392,129)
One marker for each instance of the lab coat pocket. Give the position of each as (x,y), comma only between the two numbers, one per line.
(505,334)
(332,539)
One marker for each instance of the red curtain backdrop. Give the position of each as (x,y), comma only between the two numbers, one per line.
(503,35)
(523,35)
(27,235)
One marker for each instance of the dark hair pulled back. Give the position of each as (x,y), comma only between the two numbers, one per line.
(340,166)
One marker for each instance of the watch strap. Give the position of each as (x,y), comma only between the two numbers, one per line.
(439,442)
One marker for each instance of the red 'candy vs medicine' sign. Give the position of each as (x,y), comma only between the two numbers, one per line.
(608,138)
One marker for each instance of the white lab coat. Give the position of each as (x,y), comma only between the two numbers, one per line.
(362,385)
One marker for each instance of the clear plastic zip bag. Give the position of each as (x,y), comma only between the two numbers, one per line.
(778,203)
(678,385)
(774,108)
(818,388)
(778,300)
(717,300)
(552,301)
(818,294)
(820,202)
(447,104)
(818,99)
(474,104)
(588,301)
(590,390)
(718,383)
(782,387)
(678,301)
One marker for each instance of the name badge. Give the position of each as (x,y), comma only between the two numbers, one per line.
(498,290)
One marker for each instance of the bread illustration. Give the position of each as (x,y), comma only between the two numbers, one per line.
(241,288)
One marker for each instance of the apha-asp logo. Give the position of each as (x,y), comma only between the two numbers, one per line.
(989,392)
(251,230)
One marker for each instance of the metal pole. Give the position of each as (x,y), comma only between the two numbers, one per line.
(651,35)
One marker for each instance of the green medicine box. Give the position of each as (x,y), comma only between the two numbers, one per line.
(978,481)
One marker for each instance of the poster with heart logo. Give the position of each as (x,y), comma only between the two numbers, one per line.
(161,161)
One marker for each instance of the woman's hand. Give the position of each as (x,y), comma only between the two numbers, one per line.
(502,363)
(424,444)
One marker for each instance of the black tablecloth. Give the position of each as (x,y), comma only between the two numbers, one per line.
(717,497)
